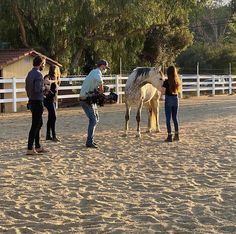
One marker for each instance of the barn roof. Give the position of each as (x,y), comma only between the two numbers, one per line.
(12,55)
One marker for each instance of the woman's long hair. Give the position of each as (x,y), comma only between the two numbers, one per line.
(54,72)
(173,80)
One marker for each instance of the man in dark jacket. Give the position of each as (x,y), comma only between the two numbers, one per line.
(34,86)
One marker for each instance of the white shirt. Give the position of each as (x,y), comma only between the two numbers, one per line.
(92,81)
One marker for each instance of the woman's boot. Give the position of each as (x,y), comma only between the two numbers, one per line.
(176,137)
(55,139)
(169,138)
(48,136)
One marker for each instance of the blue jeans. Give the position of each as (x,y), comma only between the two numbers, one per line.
(92,114)
(171,110)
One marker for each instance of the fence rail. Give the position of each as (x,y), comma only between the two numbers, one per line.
(192,84)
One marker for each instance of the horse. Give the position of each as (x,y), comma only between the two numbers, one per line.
(143,87)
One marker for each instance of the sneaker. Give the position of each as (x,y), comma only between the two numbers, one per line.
(92,146)
(41,150)
(31,152)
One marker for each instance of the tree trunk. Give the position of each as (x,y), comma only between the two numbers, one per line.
(20,22)
(75,60)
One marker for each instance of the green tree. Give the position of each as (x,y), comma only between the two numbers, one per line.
(78,32)
(214,40)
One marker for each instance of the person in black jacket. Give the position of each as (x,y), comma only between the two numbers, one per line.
(52,79)
(171,88)
(34,86)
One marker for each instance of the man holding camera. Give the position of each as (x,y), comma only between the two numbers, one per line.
(92,82)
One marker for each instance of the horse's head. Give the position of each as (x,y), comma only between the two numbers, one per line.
(143,75)
(156,77)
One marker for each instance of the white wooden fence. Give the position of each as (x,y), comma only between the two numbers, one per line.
(192,85)
(208,84)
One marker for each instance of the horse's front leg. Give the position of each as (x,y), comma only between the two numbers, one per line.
(155,103)
(127,116)
(138,119)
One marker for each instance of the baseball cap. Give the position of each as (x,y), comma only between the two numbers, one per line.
(103,62)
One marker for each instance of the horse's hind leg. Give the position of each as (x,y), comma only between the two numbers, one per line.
(158,129)
(149,109)
(127,115)
(138,119)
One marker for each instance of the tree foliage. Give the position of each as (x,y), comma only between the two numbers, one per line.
(79,32)
(214,30)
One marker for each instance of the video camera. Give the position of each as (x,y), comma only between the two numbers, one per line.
(100,98)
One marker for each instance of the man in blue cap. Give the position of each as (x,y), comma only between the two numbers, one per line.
(92,82)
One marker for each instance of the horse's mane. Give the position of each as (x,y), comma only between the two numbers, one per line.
(141,71)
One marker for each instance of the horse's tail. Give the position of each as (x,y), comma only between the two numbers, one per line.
(152,117)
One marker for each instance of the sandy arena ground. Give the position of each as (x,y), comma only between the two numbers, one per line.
(129,185)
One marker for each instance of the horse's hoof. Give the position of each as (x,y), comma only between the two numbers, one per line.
(158,130)
(138,135)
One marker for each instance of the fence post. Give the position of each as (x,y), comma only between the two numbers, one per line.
(70,80)
(56,103)
(198,80)
(181,92)
(198,85)
(117,89)
(14,104)
(230,84)
(230,80)
(213,85)
(223,85)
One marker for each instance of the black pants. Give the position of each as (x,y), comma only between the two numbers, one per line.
(36,108)
(50,105)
